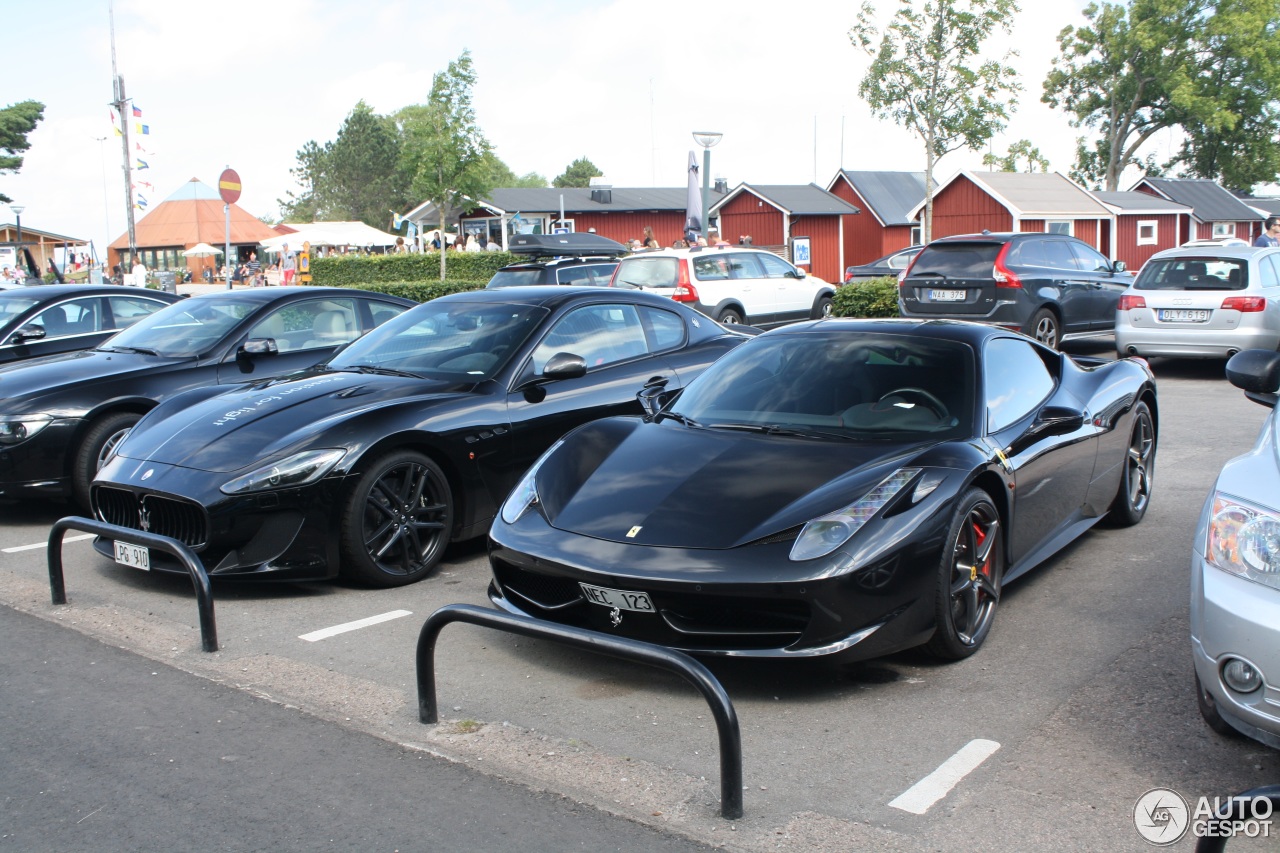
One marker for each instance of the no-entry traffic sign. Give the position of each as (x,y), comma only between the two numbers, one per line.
(229,186)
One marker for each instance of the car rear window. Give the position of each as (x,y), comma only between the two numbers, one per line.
(957,260)
(648,272)
(516,278)
(1194,274)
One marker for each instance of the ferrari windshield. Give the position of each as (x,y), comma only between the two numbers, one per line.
(444,338)
(185,328)
(835,384)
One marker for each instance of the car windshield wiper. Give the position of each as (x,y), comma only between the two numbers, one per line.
(142,350)
(779,429)
(380,371)
(684,419)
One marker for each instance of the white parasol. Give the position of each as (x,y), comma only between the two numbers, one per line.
(201,250)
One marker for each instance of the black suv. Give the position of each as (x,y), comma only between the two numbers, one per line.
(560,259)
(1049,286)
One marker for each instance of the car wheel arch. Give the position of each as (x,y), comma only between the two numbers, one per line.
(138,407)
(419,442)
(730,305)
(994,485)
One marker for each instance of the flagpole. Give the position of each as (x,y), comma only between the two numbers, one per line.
(121,103)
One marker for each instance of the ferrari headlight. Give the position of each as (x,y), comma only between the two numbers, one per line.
(525,494)
(297,470)
(823,535)
(15,429)
(1244,540)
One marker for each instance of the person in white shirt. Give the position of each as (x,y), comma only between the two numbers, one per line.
(139,274)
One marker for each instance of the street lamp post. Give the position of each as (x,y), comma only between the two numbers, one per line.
(17,213)
(706,139)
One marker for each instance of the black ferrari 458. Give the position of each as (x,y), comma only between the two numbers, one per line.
(851,487)
(403,441)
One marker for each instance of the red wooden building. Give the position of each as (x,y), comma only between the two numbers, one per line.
(773,216)
(617,213)
(971,202)
(1145,224)
(886,200)
(1214,214)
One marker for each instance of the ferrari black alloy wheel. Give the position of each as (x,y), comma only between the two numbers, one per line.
(397,520)
(95,448)
(969,578)
(1134,495)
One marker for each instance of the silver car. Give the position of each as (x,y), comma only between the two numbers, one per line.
(1202,302)
(1235,575)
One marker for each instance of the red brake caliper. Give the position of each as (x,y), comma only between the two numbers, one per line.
(980,536)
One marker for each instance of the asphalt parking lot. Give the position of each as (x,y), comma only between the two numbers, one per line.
(1079,703)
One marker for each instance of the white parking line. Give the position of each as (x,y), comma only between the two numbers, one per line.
(921,796)
(45,544)
(353,626)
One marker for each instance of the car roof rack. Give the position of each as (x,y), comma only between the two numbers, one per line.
(564,245)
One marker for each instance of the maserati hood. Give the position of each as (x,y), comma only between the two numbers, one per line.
(65,371)
(626,481)
(231,430)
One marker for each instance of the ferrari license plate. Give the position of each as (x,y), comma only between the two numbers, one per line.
(1181,315)
(946,296)
(618,598)
(134,556)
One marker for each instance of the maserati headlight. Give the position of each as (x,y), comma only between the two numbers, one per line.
(525,494)
(823,535)
(15,429)
(1244,539)
(297,470)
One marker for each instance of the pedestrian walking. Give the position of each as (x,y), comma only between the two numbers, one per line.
(254,270)
(288,264)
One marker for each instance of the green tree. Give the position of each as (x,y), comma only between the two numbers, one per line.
(1235,143)
(1021,151)
(355,177)
(1209,67)
(500,175)
(16,123)
(443,150)
(926,76)
(577,174)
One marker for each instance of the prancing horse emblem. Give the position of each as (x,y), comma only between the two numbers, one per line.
(615,616)
(631,534)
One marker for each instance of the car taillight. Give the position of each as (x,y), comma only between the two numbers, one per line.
(1003,275)
(1245,304)
(685,291)
(848,276)
(1128,302)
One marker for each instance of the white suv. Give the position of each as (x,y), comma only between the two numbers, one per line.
(729,284)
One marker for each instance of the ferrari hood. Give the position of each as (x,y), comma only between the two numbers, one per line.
(665,485)
(233,429)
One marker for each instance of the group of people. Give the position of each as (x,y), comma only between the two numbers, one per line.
(691,239)
(253,274)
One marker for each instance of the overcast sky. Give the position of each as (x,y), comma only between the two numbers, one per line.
(245,83)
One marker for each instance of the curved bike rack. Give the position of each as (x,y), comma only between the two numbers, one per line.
(620,647)
(199,577)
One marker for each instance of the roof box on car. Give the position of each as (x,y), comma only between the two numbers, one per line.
(564,245)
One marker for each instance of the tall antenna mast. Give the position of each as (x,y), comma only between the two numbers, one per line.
(121,104)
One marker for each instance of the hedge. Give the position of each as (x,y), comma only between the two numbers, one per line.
(418,291)
(351,270)
(876,297)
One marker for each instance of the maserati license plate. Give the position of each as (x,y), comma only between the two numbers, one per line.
(1179,315)
(134,556)
(946,296)
(618,598)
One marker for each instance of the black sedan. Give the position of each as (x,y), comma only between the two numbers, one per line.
(840,487)
(56,318)
(403,441)
(890,265)
(61,415)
